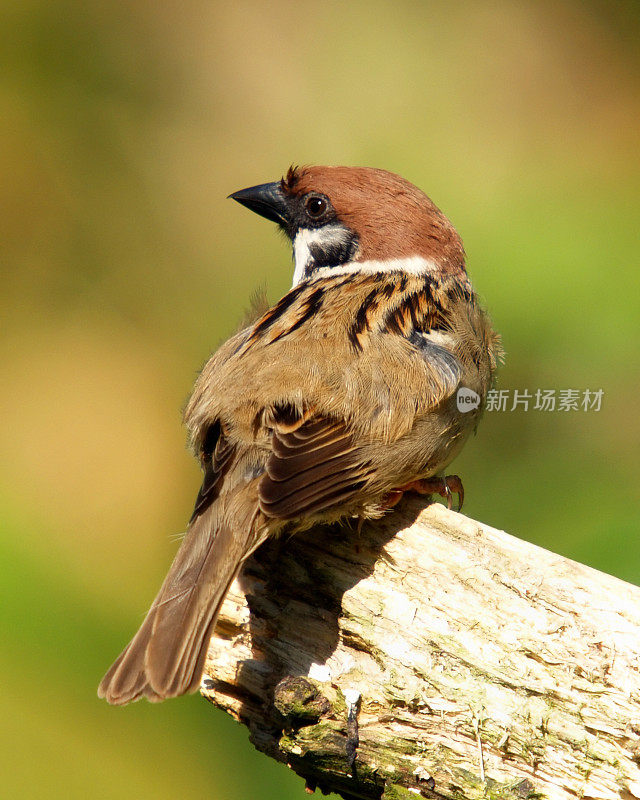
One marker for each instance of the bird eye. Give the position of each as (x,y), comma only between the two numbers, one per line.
(315,206)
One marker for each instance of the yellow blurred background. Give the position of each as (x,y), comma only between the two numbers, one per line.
(123,128)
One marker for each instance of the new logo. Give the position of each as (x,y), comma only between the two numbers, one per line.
(467,399)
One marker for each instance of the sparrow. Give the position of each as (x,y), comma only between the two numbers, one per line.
(329,406)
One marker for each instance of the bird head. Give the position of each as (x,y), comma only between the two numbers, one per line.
(356,219)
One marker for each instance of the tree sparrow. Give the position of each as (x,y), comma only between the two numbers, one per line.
(335,401)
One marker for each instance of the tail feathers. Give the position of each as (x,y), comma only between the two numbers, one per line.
(166,656)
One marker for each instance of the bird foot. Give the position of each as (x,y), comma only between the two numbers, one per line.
(446,487)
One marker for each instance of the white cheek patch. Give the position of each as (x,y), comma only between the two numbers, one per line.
(338,236)
(302,253)
(323,238)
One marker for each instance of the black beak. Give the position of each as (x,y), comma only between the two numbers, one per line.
(267,199)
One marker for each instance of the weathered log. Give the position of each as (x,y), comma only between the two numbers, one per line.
(430,654)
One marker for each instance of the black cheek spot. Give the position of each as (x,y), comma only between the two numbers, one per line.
(339,251)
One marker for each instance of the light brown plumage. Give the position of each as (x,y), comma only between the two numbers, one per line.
(338,394)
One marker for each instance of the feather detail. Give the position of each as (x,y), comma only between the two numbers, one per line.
(341,392)
(312,467)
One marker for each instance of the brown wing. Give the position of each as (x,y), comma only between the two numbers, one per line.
(313,465)
(215,452)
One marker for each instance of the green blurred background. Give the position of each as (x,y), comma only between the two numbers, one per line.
(123,127)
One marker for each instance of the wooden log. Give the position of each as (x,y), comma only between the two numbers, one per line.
(431,655)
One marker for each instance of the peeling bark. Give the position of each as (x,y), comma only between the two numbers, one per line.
(432,655)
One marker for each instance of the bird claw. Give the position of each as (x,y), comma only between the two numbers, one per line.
(448,494)
(446,487)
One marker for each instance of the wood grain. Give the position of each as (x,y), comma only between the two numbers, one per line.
(474,664)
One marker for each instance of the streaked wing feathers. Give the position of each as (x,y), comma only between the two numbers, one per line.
(311,468)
